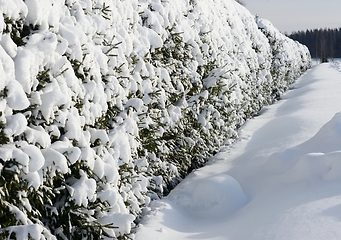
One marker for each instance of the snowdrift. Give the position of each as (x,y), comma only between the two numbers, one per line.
(106,105)
(318,157)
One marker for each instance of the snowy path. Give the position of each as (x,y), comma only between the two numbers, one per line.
(288,164)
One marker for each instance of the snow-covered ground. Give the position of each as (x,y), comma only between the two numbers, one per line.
(281,180)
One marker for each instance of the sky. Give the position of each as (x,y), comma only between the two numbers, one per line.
(294,15)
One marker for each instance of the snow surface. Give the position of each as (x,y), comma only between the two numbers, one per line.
(287,163)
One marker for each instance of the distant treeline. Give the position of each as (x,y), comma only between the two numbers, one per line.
(322,43)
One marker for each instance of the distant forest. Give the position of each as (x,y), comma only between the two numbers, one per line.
(322,43)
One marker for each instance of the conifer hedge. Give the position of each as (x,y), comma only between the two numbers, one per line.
(106,105)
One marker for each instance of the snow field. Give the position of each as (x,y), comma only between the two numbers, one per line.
(106,105)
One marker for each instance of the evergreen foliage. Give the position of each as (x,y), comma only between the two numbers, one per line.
(322,43)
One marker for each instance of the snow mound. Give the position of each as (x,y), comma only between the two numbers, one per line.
(315,166)
(218,195)
(318,157)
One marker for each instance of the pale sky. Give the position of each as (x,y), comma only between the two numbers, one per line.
(294,15)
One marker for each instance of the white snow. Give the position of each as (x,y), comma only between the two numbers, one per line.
(16,124)
(121,221)
(37,136)
(16,96)
(287,162)
(83,190)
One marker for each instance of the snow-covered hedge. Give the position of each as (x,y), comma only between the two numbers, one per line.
(106,104)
